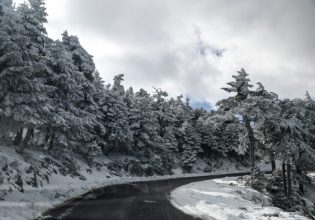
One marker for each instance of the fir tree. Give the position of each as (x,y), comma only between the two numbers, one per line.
(190,146)
(241,104)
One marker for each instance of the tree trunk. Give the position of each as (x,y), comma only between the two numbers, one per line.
(51,142)
(289,178)
(301,184)
(28,136)
(273,163)
(113,146)
(251,144)
(19,137)
(284,179)
(300,173)
(46,138)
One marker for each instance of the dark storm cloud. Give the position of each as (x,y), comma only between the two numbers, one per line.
(155,43)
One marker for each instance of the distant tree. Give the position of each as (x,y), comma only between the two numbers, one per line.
(190,146)
(114,116)
(309,118)
(144,125)
(117,86)
(228,133)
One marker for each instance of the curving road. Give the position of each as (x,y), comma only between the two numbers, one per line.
(132,201)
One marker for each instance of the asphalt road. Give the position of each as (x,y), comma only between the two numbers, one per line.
(132,201)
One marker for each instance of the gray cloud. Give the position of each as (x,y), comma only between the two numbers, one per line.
(138,22)
(156,43)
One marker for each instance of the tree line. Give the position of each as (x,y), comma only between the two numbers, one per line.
(53,99)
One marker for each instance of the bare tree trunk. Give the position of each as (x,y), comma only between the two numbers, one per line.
(251,144)
(46,138)
(301,185)
(284,179)
(111,149)
(300,173)
(289,178)
(273,163)
(51,142)
(19,137)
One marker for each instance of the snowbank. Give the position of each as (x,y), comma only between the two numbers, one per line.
(227,199)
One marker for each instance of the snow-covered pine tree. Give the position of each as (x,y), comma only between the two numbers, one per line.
(11,62)
(241,86)
(309,118)
(242,105)
(114,116)
(161,108)
(209,142)
(190,146)
(72,123)
(166,121)
(267,123)
(285,134)
(34,16)
(117,86)
(181,112)
(23,72)
(83,74)
(144,125)
(129,98)
(295,117)
(254,108)
(81,59)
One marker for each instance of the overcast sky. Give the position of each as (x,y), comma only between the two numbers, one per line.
(192,47)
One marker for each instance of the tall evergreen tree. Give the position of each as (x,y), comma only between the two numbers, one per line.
(23,72)
(243,105)
(115,117)
(11,63)
(144,125)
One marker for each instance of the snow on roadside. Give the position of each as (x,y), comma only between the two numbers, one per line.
(310,188)
(226,199)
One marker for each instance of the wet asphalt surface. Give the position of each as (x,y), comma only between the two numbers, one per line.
(132,201)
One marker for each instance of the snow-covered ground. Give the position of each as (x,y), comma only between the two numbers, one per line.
(310,189)
(227,199)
